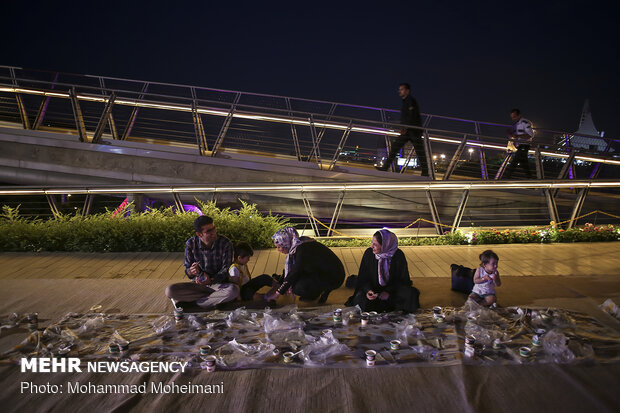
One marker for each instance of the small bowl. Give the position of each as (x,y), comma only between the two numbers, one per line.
(525,351)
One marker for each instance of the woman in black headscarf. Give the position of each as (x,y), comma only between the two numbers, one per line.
(383,280)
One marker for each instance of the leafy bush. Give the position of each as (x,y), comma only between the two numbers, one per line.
(127,230)
(587,233)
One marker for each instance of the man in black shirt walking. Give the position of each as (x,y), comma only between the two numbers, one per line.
(409,115)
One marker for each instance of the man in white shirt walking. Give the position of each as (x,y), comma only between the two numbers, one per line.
(521,134)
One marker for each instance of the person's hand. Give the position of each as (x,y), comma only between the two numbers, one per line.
(194,269)
(384,296)
(203,279)
(289,291)
(272,297)
(371,295)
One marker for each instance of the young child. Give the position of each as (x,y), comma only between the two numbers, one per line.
(239,274)
(486,279)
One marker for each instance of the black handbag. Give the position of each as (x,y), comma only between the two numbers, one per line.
(462,278)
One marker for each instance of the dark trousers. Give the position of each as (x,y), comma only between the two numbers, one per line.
(405,299)
(418,144)
(249,289)
(310,288)
(520,158)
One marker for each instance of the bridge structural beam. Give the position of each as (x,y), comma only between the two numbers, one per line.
(225,126)
(455,159)
(77,116)
(43,108)
(293,130)
(460,210)
(504,165)
(51,201)
(111,122)
(336,215)
(429,155)
(407,160)
(105,118)
(577,206)
(20,102)
(177,202)
(484,173)
(434,213)
(199,130)
(308,209)
(340,147)
(88,202)
(316,142)
(540,172)
(134,114)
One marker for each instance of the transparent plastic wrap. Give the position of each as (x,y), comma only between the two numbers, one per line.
(319,352)
(240,318)
(163,324)
(276,322)
(235,355)
(408,330)
(611,308)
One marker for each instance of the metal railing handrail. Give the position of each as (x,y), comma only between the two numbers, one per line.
(551,131)
(329,186)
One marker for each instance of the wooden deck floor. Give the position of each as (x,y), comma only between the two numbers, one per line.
(424,261)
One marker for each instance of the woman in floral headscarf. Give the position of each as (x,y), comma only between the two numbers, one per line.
(311,269)
(383,282)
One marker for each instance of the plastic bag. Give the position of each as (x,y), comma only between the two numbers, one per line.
(611,308)
(273,322)
(163,324)
(238,355)
(318,352)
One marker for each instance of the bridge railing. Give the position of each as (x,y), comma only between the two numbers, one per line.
(328,134)
(519,203)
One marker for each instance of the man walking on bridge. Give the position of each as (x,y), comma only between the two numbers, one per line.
(521,134)
(410,116)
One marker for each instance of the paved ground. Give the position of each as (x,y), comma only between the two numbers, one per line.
(573,276)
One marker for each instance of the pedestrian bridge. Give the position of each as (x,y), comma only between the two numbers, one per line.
(62,130)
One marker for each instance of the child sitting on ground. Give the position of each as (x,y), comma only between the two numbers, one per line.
(239,274)
(486,279)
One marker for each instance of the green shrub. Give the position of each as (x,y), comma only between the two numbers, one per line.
(127,230)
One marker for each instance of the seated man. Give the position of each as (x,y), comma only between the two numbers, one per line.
(207,259)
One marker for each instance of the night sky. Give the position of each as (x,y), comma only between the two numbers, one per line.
(472,61)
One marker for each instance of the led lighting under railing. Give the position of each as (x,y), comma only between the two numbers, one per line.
(298,188)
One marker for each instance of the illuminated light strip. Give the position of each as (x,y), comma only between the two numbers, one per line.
(377,131)
(317,187)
